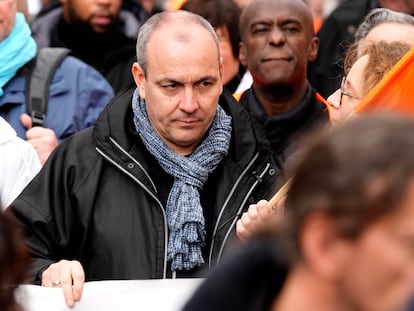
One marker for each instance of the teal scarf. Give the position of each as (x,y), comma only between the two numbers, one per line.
(16,50)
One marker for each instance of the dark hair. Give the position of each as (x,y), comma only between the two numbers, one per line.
(355,174)
(219,13)
(14,261)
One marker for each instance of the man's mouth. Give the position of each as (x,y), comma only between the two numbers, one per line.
(276,59)
(102,20)
(187,122)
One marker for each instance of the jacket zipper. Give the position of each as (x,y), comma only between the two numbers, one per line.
(163,211)
(227,201)
(240,209)
(146,189)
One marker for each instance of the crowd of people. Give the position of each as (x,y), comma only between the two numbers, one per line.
(152,140)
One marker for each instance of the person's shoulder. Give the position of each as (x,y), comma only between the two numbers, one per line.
(43,24)
(132,15)
(131,23)
(119,103)
(74,67)
(245,127)
(249,100)
(117,108)
(15,148)
(231,105)
(49,7)
(246,96)
(69,149)
(137,9)
(226,98)
(254,274)
(7,132)
(47,14)
(73,63)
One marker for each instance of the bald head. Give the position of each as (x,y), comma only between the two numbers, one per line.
(256,8)
(178,25)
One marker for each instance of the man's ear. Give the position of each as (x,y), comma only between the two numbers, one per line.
(324,250)
(313,48)
(139,77)
(221,67)
(242,54)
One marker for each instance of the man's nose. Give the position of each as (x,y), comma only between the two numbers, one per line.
(188,102)
(276,36)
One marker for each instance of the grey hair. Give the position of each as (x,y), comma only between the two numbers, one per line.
(154,23)
(380,16)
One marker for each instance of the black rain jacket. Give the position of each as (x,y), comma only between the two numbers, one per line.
(94,200)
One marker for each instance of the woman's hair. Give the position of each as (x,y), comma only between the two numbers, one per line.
(14,261)
(355,174)
(382,56)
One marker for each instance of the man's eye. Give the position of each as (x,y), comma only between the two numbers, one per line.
(259,30)
(170,86)
(291,29)
(205,83)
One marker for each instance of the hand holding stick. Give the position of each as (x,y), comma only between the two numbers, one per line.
(279,195)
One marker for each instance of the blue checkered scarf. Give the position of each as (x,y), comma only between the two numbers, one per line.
(184,212)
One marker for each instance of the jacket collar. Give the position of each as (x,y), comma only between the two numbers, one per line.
(247,138)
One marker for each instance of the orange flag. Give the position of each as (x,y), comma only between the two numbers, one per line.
(395,91)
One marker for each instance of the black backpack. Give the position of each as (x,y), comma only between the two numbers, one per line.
(38,81)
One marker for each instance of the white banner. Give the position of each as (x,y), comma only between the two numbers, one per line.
(152,295)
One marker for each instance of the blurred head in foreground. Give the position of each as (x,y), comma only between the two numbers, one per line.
(14,261)
(350,217)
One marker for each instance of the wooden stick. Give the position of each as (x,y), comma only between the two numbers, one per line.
(279,194)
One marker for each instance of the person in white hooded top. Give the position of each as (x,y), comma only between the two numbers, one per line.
(19,163)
